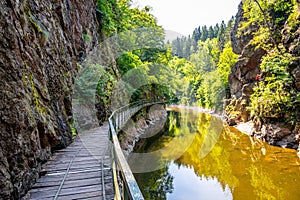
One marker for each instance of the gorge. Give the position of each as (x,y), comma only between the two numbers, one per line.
(253,61)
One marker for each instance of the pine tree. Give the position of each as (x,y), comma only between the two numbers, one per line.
(204,34)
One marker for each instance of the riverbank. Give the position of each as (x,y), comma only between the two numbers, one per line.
(144,124)
(198,109)
(248,128)
(245,127)
(155,119)
(286,141)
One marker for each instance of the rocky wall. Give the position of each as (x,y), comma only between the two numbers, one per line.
(41,43)
(245,75)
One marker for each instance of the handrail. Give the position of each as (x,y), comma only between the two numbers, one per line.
(117,120)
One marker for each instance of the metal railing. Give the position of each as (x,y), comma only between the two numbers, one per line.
(130,188)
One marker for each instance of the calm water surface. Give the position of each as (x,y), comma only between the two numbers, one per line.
(202,159)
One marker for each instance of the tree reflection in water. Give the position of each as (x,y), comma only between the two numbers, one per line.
(156,184)
(251,169)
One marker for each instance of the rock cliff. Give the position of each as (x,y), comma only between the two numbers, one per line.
(245,75)
(41,43)
(242,78)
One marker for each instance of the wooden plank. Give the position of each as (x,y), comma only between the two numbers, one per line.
(39,198)
(89,195)
(73,167)
(73,172)
(50,192)
(70,183)
(70,177)
(56,182)
(77,163)
(79,190)
(79,159)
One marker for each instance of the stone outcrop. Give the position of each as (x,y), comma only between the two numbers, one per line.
(276,132)
(243,74)
(279,134)
(243,78)
(41,43)
(291,43)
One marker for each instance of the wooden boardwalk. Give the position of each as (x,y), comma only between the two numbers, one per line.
(81,171)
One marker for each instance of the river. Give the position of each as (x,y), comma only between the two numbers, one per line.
(196,156)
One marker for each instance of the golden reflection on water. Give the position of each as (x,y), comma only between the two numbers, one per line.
(251,169)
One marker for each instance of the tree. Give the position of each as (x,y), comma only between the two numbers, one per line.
(221,35)
(269,16)
(204,32)
(227,59)
(211,33)
(128,61)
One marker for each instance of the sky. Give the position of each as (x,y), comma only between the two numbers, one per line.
(183,16)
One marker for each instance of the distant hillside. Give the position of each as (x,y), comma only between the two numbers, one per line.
(172,35)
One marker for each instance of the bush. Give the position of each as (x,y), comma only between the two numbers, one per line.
(273,98)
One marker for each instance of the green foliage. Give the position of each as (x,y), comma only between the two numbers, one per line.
(206,57)
(151,65)
(128,61)
(273,97)
(293,20)
(73,128)
(211,70)
(211,91)
(178,77)
(87,37)
(197,76)
(269,16)
(134,29)
(105,86)
(86,83)
(107,13)
(280,11)
(203,66)
(227,59)
(117,16)
(185,46)
(135,18)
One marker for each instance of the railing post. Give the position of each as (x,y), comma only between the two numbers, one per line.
(116,122)
(119,122)
(127,114)
(123,118)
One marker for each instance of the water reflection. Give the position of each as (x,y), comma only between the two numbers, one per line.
(236,167)
(157,184)
(205,188)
